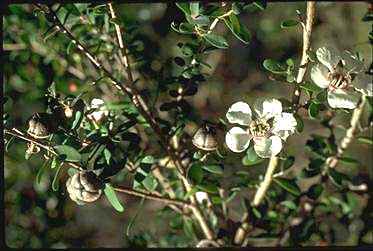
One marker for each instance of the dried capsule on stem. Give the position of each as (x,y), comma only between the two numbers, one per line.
(84,187)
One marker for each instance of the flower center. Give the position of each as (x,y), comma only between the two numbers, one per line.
(259,128)
(339,78)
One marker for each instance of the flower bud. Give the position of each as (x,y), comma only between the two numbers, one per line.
(84,187)
(204,138)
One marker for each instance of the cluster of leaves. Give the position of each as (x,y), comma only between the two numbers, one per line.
(111,146)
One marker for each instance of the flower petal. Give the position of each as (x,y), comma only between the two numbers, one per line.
(284,125)
(353,64)
(267,107)
(237,139)
(328,56)
(96,103)
(267,147)
(319,75)
(239,113)
(343,98)
(363,83)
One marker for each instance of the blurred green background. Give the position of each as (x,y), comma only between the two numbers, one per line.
(36,216)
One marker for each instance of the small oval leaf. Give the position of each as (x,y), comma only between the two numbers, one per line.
(289,23)
(216,40)
(288,185)
(217,169)
(70,153)
(112,197)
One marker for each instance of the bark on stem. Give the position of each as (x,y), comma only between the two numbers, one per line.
(264,185)
(306,45)
(350,133)
(266,182)
(152,196)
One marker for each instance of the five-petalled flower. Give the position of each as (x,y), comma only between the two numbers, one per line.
(343,76)
(268,127)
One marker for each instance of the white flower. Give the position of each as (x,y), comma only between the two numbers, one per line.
(343,75)
(101,112)
(268,128)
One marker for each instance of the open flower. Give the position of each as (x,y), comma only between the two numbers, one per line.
(268,127)
(101,111)
(343,75)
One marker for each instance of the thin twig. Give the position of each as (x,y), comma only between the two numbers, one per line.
(16,133)
(306,45)
(346,140)
(152,197)
(144,111)
(266,182)
(264,185)
(139,102)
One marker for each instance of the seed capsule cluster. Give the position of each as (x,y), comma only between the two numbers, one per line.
(204,138)
(84,187)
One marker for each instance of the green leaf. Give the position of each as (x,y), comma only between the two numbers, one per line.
(70,153)
(176,222)
(247,162)
(257,213)
(313,110)
(310,87)
(321,97)
(150,183)
(289,204)
(71,171)
(9,143)
(188,228)
(288,162)
(107,155)
(195,173)
(289,23)
(237,8)
(275,66)
(148,160)
(216,40)
(190,193)
(365,140)
(349,160)
(300,124)
(288,185)
(41,170)
(210,188)
(261,4)
(78,119)
(55,162)
(315,191)
(251,154)
(194,9)
(184,7)
(112,197)
(311,55)
(238,29)
(336,177)
(55,179)
(72,9)
(217,169)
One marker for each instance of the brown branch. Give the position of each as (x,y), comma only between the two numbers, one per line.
(27,138)
(152,197)
(143,110)
(307,29)
(139,102)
